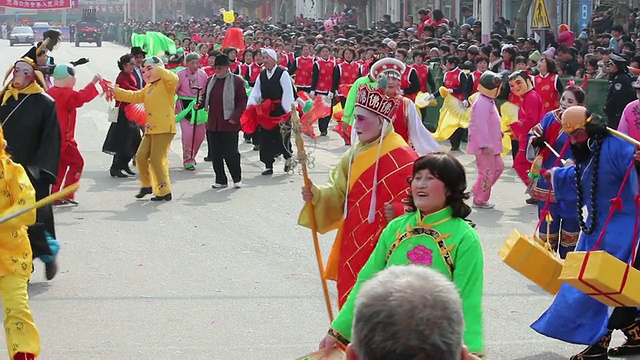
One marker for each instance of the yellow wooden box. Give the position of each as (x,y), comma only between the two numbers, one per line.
(533,260)
(603,277)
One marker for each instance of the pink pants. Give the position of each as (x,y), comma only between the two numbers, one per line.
(490,168)
(188,152)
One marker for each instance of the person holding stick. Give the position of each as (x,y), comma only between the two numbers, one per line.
(435,233)
(364,191)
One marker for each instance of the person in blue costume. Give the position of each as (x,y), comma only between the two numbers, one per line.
(564,230)
(601,162)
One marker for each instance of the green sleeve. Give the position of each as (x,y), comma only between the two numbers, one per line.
(468,277)
(341,325)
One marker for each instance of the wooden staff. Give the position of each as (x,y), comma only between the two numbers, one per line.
(624,136)
(46,201)
(296,127)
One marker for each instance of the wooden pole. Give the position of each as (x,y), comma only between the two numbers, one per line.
(46,201)
(624,136)
(296,127)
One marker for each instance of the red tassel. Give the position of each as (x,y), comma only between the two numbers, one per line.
(24,356)
(616,204)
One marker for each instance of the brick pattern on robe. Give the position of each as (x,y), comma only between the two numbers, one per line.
(357,245)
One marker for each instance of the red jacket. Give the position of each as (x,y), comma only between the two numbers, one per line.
(67,101)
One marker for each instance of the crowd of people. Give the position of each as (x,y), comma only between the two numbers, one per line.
(385,79)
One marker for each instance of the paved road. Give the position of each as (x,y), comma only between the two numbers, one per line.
(224,274)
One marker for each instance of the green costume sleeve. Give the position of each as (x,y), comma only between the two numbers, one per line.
(468,278)
(350,104)
(341,325)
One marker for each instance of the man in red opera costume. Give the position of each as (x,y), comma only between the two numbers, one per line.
(67,102)
(365,189)
(530,113)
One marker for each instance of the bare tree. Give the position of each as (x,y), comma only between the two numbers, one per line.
(521,18)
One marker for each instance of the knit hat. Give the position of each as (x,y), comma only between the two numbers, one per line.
(563,27)
(191,57)
(535,56)
(550,52)
(583,36)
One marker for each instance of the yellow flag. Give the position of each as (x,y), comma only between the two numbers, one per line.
(229,17)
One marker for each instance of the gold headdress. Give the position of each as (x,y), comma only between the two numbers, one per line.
(574,118)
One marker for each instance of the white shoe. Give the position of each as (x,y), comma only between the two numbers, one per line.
(219,186)
(238,185)
(486,205)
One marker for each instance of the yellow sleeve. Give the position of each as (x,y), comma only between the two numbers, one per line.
(21,194)
(169,79)
(328,200)
(129,96)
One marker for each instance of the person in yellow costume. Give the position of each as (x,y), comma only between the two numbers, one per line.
(23,340)
(158,97)
(365,190)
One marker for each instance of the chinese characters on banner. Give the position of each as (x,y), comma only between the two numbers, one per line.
(100,8)
(39,4)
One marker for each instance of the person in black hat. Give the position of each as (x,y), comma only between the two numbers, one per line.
(225,98)
(620,91)
(32,132)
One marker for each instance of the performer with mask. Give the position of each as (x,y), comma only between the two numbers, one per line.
(379,163)
(67,101)
(564,228)
(485,138)
(529,115)
(407,122)
(32,132)
(273,84)
(16,262)
(601,163)
(158,97)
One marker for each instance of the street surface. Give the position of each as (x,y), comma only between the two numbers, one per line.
(225,274)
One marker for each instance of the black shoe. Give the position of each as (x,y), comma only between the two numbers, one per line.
(50,269)
(531,201)
(267,172)
(256,147)
(117,173)
(206,158)
(144,192)
(162,198)
(631,346)
(323,133)
(127,169)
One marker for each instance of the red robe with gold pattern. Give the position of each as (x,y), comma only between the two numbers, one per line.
(356,237)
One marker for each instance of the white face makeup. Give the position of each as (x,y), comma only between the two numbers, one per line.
(567,100)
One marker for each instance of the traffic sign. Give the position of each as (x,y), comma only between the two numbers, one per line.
(585,13)
(540,18)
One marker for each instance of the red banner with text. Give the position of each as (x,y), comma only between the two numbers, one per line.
(39,4)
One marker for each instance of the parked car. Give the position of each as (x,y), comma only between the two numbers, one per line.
(22,35)
(89,31)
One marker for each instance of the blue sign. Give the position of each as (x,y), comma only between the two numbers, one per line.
(585,13)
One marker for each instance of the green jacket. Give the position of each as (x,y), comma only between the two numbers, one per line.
(423,245)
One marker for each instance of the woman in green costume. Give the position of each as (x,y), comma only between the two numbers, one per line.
(435,233)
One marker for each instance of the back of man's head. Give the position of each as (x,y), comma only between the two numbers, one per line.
(408,313)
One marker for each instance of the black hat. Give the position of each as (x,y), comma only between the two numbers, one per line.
(221,60)
(616,58)
(137,50)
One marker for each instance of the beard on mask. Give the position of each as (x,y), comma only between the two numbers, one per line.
(580,152)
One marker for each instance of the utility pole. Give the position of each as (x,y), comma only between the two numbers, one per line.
(486,17)
(552,6)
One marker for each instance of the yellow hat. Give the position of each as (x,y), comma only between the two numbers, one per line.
(574,118)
